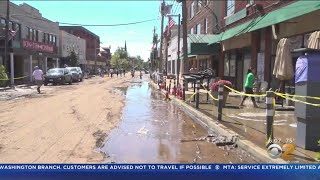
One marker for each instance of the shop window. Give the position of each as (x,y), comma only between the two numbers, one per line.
(226,66)
(191,31)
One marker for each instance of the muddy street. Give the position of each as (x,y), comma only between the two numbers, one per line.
(64,124)
(152,130)
(104,120)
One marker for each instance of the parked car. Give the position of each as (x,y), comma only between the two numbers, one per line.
(81,73)
(76,73)
(58,76)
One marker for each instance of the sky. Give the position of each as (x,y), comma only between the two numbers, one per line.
(138,37)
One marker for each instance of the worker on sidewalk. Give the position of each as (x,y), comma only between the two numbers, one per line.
(249,87)
(38,77)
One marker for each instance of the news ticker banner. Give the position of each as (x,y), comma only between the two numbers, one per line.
(159,167)
(159,171)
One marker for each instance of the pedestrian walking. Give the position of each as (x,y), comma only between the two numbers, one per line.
(38,77)
(140,74)
(249,87)
(117,71)
(120,72)
(111,72)
(124,72)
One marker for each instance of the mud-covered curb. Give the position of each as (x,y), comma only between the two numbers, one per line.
(205,121)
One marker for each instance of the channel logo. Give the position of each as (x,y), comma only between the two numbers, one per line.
(275,151)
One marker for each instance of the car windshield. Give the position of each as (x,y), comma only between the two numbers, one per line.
(73,69)
(55,71)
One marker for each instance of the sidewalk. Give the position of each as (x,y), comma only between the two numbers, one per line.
(250,122)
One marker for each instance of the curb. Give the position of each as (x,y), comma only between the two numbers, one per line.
(205,121)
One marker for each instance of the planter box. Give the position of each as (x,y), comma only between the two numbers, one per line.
(225,97)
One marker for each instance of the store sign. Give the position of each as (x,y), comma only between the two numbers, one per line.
(37,46)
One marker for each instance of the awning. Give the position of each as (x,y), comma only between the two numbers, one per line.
(285,13)
(296,9)
(198,44)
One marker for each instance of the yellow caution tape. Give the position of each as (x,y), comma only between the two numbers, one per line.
(296,100)
(191,96)
(215,99)
(299,96)
(241,93)
(13,78)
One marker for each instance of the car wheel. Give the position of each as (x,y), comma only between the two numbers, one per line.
(80,79)
(45,84)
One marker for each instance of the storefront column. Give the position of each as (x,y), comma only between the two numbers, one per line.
(30,68)
(11,69)
(267,54)
(45,64)
(221,64)
(57,62)
(255,47)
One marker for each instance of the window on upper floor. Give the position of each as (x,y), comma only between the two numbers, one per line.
(230,7)
(30,34)
(192,10)
(198,5)
(205,26)
(191,31)
(44,37)
(205,2)
(250,1)
(198,28)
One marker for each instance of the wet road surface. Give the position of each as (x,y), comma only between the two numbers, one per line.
(155,131)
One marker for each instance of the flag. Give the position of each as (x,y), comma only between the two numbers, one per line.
(171,22)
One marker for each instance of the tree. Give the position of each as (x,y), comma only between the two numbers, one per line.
(122,52)
(73,59)
(115,60)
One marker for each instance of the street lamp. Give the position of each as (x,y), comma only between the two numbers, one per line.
(178,53)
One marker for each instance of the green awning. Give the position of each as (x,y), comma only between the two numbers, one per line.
(198,44)
(288,12)
(285,13)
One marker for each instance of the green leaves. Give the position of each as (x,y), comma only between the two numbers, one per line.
(3,75)
(73,59)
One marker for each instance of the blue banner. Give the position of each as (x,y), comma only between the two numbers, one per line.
(159,171)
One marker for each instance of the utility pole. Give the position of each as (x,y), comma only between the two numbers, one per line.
(179,62)
(6,43)
(185,36)
(161,36)
(166,54)
(95,55)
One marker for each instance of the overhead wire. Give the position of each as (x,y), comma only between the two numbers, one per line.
(75,24)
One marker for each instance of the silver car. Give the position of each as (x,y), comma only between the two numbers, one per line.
(76,73)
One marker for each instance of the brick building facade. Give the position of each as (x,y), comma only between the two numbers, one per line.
(35,43)
(251,30)
(92,44)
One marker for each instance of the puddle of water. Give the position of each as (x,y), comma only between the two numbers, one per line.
(155,131)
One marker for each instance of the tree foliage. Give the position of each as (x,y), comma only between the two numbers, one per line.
(3,76)
(73,59)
